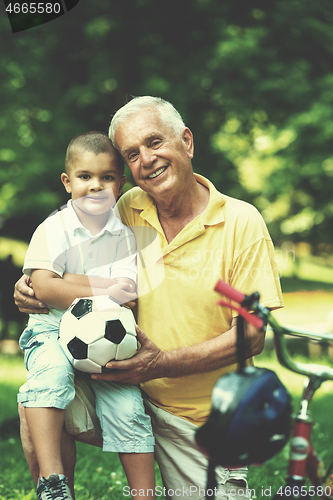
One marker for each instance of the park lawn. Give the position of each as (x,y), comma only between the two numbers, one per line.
(97,473)
(100,474)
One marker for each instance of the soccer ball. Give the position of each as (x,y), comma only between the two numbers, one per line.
(95,330)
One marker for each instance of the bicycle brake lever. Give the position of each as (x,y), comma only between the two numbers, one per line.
(250,318)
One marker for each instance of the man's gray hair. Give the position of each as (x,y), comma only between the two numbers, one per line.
(168,114)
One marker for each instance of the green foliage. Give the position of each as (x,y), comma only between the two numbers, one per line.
(253,82)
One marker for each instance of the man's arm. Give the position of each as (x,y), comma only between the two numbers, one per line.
(151,363)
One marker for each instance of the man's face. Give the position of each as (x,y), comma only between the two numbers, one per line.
(159,160)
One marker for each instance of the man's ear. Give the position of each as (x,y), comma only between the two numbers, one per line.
(66,182)
(187,137)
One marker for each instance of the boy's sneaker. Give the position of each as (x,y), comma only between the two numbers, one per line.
(54,487)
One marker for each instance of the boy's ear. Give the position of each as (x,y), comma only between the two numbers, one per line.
(66,182)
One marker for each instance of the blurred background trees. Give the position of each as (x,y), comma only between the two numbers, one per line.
(253,80)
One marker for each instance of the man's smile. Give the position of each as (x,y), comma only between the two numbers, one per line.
(157,173)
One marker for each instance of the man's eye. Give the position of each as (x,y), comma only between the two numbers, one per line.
(156,144)
(132,157)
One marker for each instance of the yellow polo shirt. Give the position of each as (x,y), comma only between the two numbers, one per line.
(177,303)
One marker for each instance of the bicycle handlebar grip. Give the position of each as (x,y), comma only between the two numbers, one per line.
(229,292)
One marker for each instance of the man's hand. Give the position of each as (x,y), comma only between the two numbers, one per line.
(147,364)
(152,363)
(24,297)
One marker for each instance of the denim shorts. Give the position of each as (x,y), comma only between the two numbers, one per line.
(50,377)
(125,425)
(126,428)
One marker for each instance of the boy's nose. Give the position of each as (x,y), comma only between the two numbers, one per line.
(96,185)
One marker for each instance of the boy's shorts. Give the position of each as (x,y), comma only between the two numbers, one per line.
(50,383)
(125,425)
(112,411)
(50,376)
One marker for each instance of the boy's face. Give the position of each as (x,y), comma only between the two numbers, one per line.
(94,182)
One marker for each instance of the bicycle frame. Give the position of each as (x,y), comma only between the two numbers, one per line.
(303,461)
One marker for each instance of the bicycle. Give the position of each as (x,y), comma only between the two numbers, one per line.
(303,460)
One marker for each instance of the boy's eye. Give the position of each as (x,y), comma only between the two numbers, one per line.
(108,178)
(84,177)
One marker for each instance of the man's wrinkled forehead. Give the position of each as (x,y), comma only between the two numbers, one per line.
(141,126)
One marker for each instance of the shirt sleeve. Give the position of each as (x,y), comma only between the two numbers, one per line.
(255,270)
(47,249)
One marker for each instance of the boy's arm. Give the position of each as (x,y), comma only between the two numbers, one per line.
(92,281)
(51,289)
(121,290)
(117,288)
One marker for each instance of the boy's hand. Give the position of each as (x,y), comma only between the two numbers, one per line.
(122,293)
(24,297)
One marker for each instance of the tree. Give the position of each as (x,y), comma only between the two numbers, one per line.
(252,81)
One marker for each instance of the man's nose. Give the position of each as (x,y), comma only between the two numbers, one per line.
(147,157)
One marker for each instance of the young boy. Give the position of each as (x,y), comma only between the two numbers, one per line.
(84,237)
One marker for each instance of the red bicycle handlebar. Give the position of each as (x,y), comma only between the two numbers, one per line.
(238,297)
(229,292)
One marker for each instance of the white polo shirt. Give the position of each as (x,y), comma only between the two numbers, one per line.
(62,244)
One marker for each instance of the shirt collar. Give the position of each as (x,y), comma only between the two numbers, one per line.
(74,224)
(212,215)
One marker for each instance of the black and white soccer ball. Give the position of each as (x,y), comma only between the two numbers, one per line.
(95,330)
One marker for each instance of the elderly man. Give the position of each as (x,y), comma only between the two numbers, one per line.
(188,342)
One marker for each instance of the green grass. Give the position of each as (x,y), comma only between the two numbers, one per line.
(306,303)
(99,476)
(304,266)
(272,474)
